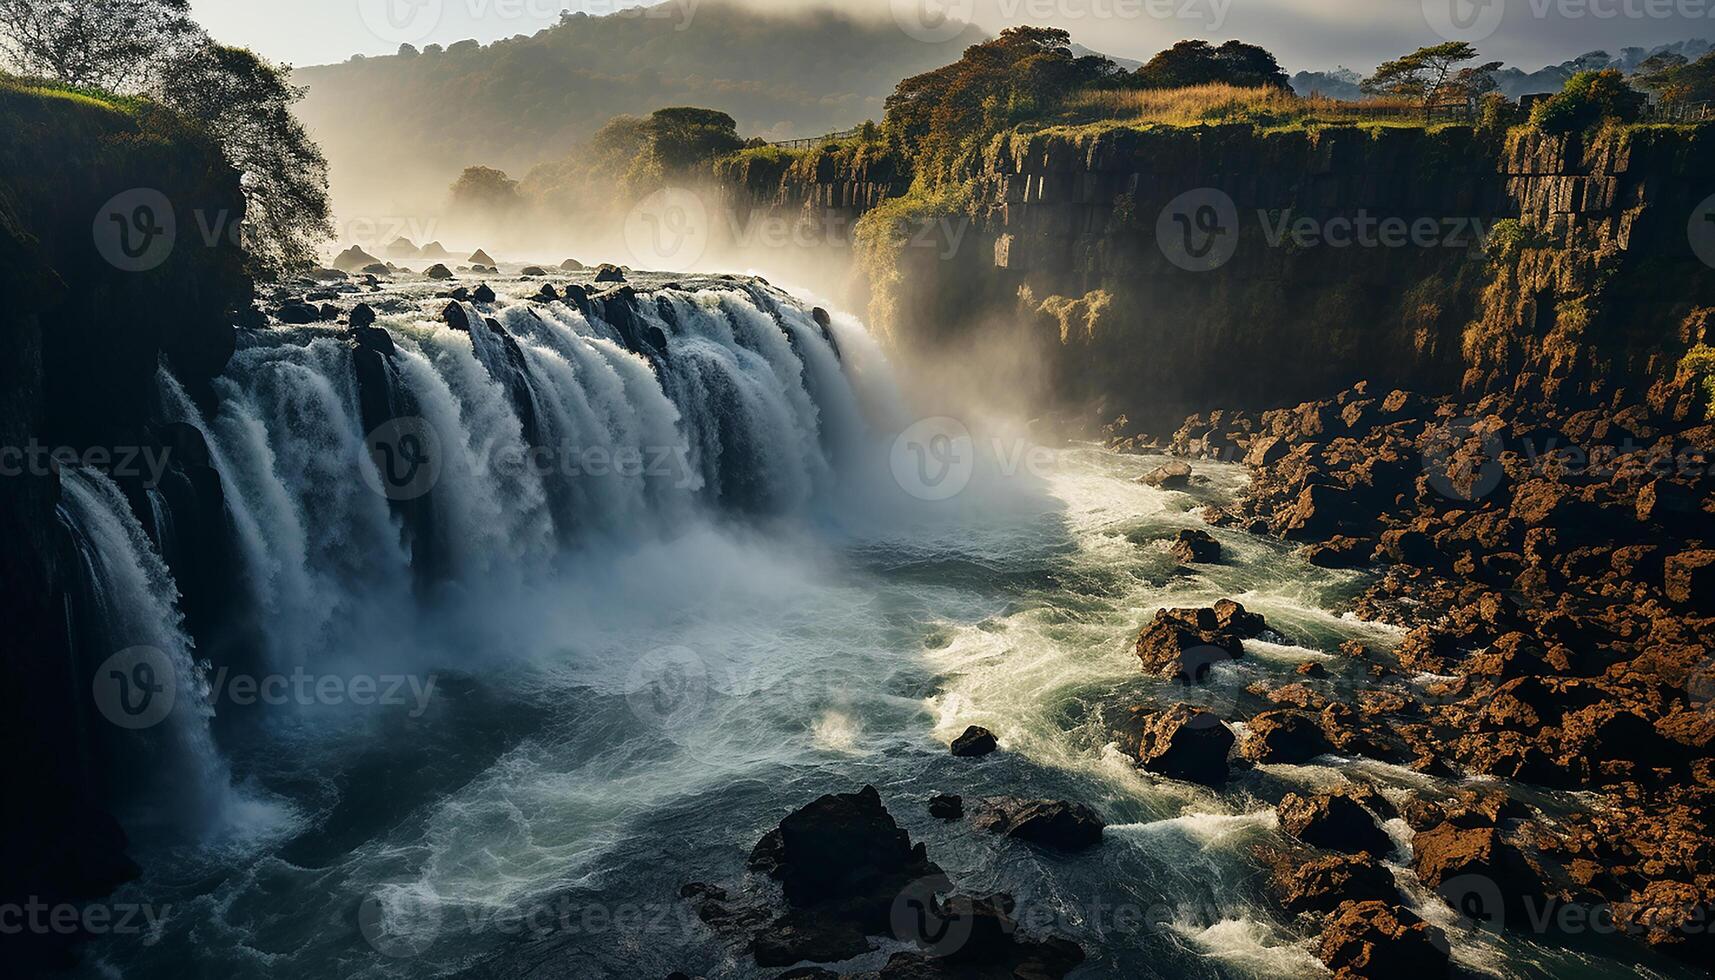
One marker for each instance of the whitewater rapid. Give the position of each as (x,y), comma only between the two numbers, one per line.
(637,674)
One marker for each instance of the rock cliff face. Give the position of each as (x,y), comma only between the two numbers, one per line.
(1424,259)
(83,338)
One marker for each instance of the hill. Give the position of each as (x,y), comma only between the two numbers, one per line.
(397,130)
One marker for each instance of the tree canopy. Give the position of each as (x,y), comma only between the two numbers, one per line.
(1430,75)
(112,45)
(1196,62)
(246,103)
(152,47)
(1024,71)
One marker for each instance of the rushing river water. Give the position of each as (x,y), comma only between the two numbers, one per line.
(586,721)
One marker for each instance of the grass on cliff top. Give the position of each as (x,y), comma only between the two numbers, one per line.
(41,88)
(1215,105)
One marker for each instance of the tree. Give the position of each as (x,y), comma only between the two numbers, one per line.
(112,45)
(1676,80)
(246,104)
(1589,98)
(485,190)
(1025,71)
(1200,63)
(1422,75)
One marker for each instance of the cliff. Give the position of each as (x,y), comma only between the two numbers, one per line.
(90,316)
(1427,258)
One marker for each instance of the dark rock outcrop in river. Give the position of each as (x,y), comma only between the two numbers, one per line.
(847,873)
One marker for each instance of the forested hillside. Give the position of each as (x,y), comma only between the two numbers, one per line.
(397,130)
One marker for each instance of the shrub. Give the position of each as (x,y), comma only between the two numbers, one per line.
(1589,99)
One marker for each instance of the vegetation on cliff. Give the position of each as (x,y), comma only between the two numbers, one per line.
(151,49)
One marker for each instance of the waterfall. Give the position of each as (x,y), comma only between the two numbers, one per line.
(164,756)
(558,429)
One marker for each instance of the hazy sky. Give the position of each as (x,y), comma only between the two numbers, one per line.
(1303,33)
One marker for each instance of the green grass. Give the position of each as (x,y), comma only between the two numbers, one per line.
(95,98)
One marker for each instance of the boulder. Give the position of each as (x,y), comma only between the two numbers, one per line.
(482,294)
(533,270)
(547,294)
(354,259)
(1335,822)
(1054,824)
(1690,580)
(1325,883)
(377,269)
(974,742)
(842,847)
(571,265)
(1377,941)
(946,806)
(1284,736)
(362,315)
(1480,872)
(480,257)
(1192,546)
(1341,551)
(298,312)
(438,271)
(1185,644)
(1173,475)
(609,273)
(1183,743)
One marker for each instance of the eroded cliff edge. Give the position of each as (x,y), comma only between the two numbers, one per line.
(84,337)
(1436,259)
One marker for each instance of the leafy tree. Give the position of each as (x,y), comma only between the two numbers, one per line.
(112,45)
(246,103)
(1025,71)
(486,190)
(1194,62)
(1589,98)
(1427,75)
(1676,80)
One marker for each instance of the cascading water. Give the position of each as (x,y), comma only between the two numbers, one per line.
(823,629)
(155,728)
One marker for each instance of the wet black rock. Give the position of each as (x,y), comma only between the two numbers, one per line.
(974,742)
(1054,824)
(945,806)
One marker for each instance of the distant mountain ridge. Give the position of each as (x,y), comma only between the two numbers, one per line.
(1342,82)
(398,129)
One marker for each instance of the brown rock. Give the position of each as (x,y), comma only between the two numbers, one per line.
(1335,822)
(1323,884)
(1377,941)
(1284,736)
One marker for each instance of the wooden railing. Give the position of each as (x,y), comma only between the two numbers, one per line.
(815,141)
